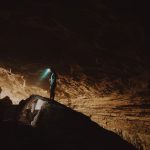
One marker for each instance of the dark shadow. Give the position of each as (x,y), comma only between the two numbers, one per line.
(59,128)
(5,105)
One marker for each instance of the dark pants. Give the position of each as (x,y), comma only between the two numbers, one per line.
(52,91)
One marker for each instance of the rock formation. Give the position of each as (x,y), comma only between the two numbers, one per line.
(44,124)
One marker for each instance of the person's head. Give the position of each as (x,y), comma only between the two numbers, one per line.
(51,69)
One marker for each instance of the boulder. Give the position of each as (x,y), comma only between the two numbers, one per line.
(58,127)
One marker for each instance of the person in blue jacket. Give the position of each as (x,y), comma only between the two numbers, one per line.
(52,80)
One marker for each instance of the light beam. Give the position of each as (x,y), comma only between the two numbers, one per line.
(45,73)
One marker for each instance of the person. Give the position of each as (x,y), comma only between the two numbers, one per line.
(52,80)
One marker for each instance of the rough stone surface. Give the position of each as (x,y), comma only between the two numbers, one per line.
(56,127)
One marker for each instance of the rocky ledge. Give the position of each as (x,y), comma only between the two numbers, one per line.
(38,123)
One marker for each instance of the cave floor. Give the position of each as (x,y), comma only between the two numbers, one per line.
(125,116)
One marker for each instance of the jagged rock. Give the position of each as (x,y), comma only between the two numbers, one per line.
(56,126)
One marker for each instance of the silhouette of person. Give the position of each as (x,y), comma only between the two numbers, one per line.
(52,80)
